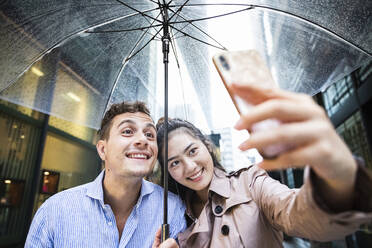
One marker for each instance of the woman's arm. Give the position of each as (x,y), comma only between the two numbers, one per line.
(314,142)
(306,128)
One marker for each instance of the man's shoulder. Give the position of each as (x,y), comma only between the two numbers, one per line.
(71,194)
(158,193)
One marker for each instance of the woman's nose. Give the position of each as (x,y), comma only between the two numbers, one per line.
(190,165)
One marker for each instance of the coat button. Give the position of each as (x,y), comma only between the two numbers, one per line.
(225,230)
(218,209)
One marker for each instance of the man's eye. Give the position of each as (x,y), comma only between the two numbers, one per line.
(150,135)
(127,131)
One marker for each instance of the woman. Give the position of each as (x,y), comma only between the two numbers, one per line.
(249,209)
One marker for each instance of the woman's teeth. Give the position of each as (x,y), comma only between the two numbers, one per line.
(196,175)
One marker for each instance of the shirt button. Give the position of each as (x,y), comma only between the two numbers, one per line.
(110,223)
(225,230)
(218,209)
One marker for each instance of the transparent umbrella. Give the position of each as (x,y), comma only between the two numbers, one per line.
(73,58)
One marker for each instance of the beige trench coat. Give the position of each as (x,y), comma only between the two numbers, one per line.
(250,209)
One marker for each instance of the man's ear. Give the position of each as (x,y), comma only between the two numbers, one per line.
(101,149)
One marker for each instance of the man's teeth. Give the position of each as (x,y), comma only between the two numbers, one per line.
(196,175)
(143,156)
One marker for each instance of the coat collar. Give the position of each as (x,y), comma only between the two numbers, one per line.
(220,183)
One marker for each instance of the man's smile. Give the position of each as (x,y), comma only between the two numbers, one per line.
(138,155)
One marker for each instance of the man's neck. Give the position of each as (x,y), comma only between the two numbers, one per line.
(121,193)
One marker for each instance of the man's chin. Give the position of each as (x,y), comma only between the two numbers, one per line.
(140,172)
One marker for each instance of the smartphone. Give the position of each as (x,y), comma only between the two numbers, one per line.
(248,67)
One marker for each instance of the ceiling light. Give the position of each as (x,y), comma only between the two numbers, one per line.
(74,97)
(37,71)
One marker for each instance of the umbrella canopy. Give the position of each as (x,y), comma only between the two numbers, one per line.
(73,58)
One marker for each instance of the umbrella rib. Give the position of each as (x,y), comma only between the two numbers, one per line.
(174,35)
(209,36)
(251,6)
(174,50)
(179,72)
(144,29)
(138,11)
(192,37)
(178,10)
(124,30)
(139,50)
(125,62)
(139,40)
(216,16)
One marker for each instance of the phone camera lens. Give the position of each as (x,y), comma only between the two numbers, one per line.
(224,63)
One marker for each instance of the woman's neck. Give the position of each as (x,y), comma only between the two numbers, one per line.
(203,195)
(197,204)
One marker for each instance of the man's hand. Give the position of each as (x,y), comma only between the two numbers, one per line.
(306,128)
(169,243)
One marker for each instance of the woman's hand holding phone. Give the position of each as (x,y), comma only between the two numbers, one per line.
(306,128)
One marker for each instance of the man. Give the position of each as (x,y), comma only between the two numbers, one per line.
(119,208)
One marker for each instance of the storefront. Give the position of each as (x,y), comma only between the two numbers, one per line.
(39,156)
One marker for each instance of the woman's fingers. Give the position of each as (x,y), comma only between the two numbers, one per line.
(157,239)
(169,243)
(290,134)
(282,110)
(256,94)
(298,157)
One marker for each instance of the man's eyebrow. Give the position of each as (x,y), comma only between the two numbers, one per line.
(184,150)
(151,125)
(126,121)
(133,122)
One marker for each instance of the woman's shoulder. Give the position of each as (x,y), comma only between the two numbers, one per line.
(252,170)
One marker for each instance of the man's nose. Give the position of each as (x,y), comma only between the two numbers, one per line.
(141,140)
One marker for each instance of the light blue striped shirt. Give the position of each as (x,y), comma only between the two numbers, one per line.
(78,217)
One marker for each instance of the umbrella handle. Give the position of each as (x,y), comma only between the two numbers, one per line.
(164,232)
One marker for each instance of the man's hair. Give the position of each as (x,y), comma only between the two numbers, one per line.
(117,109)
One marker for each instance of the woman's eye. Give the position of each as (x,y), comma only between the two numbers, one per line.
(193,151)
(174,163)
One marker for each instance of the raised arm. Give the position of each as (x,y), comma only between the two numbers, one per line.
(306,128)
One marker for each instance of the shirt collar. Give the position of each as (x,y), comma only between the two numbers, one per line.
(146,189)
(95,189)
(220,183)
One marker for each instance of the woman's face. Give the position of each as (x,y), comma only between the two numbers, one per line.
(190,162)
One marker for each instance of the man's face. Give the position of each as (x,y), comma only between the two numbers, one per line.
(131,149)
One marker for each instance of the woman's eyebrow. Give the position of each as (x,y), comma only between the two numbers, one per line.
(184,151)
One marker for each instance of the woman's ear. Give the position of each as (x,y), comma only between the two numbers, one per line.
(101,149)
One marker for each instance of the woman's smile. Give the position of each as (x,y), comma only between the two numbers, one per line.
(197,176)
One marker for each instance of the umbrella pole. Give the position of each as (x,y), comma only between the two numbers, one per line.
(165,43)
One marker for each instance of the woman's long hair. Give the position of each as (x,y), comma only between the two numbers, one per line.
(190,129)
